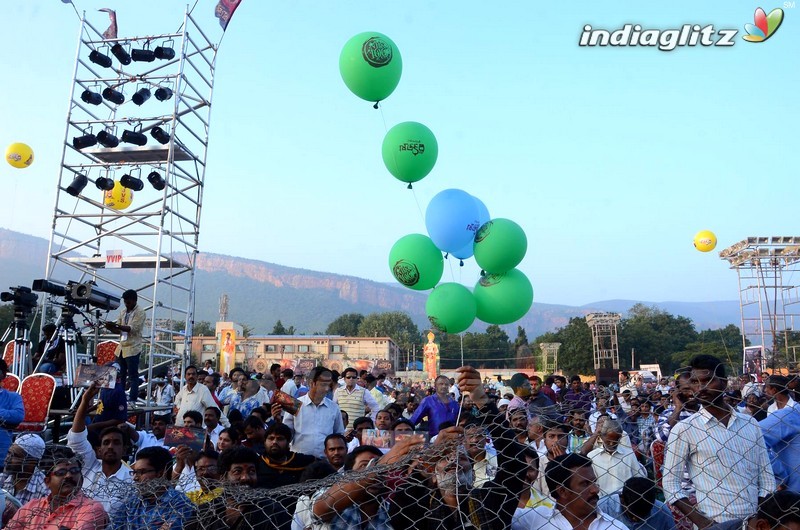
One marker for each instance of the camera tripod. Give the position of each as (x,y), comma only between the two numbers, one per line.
(21,364)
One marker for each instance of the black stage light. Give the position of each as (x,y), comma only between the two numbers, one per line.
(100,59)
(92,98)
(82,142)
(165,53)
(121,54)
(133,137)
(104,183)
(114,96)
(106,139)
(78,183)
(163,94)
(131,182)
(160,135)
(141,95)
(143,56)
(157,181)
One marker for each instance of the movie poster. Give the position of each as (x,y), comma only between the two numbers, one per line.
(304,366)
(383,367)
(227,350)
(754,361)
(362,364)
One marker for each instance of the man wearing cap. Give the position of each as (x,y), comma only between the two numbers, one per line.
(21,476)
(129,325)
(65,506)
(11,413)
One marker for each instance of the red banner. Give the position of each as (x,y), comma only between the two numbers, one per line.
(224,11)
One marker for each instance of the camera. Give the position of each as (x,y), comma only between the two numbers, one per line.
(23,299)
(89,292)
(80,294)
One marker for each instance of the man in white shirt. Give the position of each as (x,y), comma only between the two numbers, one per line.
(290,387)
(192,397)
(613,463)
(572,483)
(212,425)
(317,418)
(719,446)
(777,389)
(105,476)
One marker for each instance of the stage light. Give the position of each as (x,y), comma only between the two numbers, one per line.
(141,95)
(133,137)
(78,183)
(121,54)
(157,181)
(104,183)
(163,94)
(92,98)
(106,139)
(160,135)
(143,56)
(165,53)
(131,182)
(114,96)
(100,59)
(82,142)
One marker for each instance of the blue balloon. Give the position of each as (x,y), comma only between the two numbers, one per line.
(452,219)
(483,217)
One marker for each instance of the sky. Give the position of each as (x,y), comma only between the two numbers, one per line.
(610,158)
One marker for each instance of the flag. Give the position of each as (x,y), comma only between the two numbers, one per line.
(111,32)
(224,11)
(67,1)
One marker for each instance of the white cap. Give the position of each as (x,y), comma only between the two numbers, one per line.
(503,402)
(32,444)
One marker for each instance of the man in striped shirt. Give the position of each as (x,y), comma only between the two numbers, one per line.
(724,451)
(354,399)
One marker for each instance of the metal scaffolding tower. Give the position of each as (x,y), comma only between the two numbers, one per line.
(604,339)
(549,356)
(769,299)
(151,245)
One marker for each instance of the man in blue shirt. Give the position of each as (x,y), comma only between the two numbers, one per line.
(11,413)
(781,431)
(636,506)
(155,503)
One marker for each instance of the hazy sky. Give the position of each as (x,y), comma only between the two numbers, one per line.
(610,158)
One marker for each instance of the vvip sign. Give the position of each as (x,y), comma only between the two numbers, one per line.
(688,35)
(113,259)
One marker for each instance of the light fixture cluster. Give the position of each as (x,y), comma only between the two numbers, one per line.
(128,180)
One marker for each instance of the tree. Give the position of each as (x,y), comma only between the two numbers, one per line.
(522,349)
(203,329)
(575,354)
(246,330)
(724,344)
(655,335)
(395,324)
(279,329)
(345,325)
(491,349)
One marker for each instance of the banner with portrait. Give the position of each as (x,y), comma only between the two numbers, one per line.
(755,361)
(227,350)
(383,367)
(304,366)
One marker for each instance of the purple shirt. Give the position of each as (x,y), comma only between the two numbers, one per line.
(579,400)
(436,411)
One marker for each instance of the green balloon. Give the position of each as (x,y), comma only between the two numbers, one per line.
(370,65)
(503,298)
(500,245)
(451,308)
(409,151)
(416,262)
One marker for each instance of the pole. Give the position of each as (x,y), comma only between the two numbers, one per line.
(633,366)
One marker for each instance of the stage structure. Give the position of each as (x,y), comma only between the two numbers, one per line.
(130,189)
(604,339)
(769,298)
(549,356)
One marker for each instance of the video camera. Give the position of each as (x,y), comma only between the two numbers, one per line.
(79,294)
(23,299)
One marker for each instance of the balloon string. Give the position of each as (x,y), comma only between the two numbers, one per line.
(419,208)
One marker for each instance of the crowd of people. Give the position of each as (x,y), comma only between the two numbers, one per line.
(324,450)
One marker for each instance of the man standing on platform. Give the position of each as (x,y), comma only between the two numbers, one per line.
(129,325)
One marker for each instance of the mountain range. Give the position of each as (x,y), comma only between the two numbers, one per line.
(261,293)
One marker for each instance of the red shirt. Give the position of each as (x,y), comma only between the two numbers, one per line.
(80,513)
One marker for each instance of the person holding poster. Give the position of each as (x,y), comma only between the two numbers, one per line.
(228,351)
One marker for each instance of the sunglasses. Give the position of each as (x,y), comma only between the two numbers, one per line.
(63,471)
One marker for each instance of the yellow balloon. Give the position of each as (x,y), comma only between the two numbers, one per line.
(19,155)
(705,241)
(119,197)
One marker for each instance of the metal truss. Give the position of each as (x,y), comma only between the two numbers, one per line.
(158,233)
(605,342)
(769,299)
